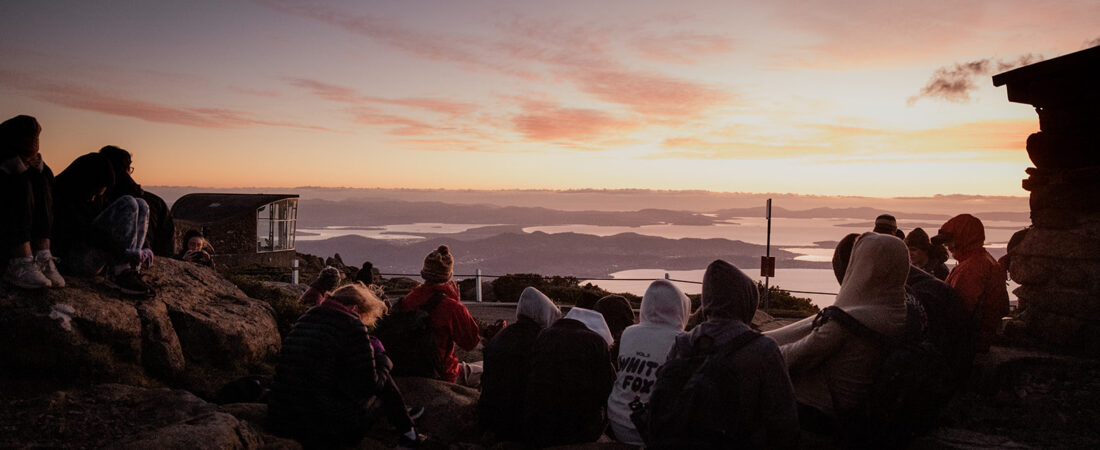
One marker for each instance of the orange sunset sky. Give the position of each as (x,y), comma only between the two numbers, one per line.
(858,97)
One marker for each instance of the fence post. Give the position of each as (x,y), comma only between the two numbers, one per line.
(294,271)
(477,283)
(666,276)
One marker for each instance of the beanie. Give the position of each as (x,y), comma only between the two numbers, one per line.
(438,265)
(918,239)
(885,224)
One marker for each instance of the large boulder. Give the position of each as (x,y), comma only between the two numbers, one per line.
(198,326)
(120,416)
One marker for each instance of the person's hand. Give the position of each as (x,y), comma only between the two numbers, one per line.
(376,345)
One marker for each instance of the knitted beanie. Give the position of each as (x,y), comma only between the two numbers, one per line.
(918,239)
(438,266)
(885,224)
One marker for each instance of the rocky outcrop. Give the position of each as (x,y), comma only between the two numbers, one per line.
(127,417)
(197,323)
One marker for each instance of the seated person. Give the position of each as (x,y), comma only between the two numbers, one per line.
(507,365)
(618,314)
(569,381)
(196,249)
(327,281)
(91,233)
(333,379)
(162,228)
(26,197)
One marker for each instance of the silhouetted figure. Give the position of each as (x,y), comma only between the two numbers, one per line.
(26,207)
(162,228)
(570,379)
(333,379)
(618,314)
(90,233)
(978,277)
(508,364)
(643,348)
(327,281)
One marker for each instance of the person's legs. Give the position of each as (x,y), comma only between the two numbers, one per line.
(393,405)
(17,206)
(125,221)
(41,184)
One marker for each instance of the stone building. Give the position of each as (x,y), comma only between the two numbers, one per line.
(243,228)
(1057,263)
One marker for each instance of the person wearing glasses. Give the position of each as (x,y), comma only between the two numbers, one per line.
(162,228)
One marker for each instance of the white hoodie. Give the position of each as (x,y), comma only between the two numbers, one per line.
(642,349)
(537,306)
(593,321)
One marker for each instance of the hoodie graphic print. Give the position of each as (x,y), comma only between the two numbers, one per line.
(643,348)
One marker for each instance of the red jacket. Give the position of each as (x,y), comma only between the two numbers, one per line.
(978,277)
(451,323)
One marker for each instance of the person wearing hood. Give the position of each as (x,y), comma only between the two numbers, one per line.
(618,313)
(451,323)
(91,233)
(643,349)
(761,400)
(507,365)
(832,369)
(26,205)
(924,255)
(978,277)
(569,381)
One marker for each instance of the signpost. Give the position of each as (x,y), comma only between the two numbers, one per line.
(767,262)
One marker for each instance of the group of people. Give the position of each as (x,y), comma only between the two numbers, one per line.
(91,218)
(550,378)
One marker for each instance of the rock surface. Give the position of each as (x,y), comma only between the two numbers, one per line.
(198,322)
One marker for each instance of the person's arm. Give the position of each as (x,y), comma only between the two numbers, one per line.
(366,371)
(813,349)
(464,328)
(778,408)
(969,283)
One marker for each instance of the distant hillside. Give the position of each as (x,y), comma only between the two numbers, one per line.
(575,254)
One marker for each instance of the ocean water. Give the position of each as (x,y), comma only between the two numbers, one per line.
(820,281)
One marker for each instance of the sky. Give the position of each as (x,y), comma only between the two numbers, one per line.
(850,97)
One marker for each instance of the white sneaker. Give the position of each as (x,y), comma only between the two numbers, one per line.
(23,272)
(47,265)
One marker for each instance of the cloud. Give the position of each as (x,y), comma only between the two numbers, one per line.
(681,47)
(955,83)
(1092,43)
(650,93)
(89,99)
(344,94)
(542,121)
(398,125)
(257,92)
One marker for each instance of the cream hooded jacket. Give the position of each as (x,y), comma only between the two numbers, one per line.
(642,349)
(832,369)
(593,321)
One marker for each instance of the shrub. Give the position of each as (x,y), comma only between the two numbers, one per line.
(783,303)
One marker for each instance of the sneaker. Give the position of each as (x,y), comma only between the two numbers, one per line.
(24,273)
(415,412)
(406,442)
(47,264)
(129,282)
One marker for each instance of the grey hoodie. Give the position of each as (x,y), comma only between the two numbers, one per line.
(537,306)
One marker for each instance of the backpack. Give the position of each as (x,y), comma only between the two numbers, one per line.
(409,341)
(681,412)
(910,389)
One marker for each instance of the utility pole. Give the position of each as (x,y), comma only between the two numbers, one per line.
(767,263)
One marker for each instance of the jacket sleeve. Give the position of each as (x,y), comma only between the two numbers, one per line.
(970,283)
(464,328)
(364,375)
(813,349)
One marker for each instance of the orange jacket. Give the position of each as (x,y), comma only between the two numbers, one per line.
(978,277)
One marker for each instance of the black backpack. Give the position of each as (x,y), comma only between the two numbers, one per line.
(910,389)
(686,395)
(409,341)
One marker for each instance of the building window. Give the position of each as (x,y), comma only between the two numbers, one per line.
(275,225)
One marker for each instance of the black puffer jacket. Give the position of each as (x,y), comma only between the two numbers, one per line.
(507,364)
(571,377)
(327,378)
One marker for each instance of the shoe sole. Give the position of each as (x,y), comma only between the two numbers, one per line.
(416,412)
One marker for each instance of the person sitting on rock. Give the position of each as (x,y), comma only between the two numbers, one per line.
(162,227)
(332,379)
(978,277)
(924,255)
(196,249)
(327,281)
(618,313)
(451,323)
(754,402)
(90,233)
(569,381)
(507,365)
(26,203)
(643,349)
(831,368)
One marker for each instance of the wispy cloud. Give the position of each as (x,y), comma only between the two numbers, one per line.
(955,83)
(90,99)
(681,47)
(343,94)
(542,121)
(1092,43)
